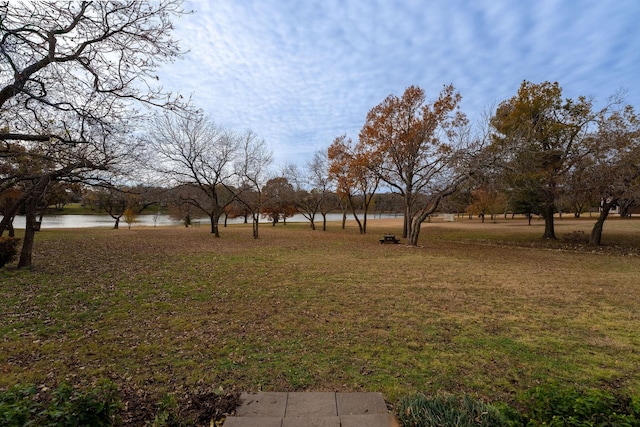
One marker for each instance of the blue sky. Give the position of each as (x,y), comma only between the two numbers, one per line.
(302,72)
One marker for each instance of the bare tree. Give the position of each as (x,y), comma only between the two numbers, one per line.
(70,74)
(307,199)
(614,175)
(114,201)
(252,173)
(191,150)
(312,188)
(578,192)
(319,180)
(179,207)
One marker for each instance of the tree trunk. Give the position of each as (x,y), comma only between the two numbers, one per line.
(256,222)
(215,229)
(353,212)
(596,233)
(408,206)
(26,254)
(355,215)
(424,213)
(37,195)
(367,205)
(624,206)
(549,230)
(31,202)
(324,222)
(344,206)
(9,214)
(419,218)
(415,234)
(406,226)
(364,222)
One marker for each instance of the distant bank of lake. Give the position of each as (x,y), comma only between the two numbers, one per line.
(91,221)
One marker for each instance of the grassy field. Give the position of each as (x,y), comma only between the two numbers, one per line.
(485,309)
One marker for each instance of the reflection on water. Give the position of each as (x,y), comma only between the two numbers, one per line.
(88,221)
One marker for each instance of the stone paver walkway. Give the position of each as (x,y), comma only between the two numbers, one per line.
(314,409)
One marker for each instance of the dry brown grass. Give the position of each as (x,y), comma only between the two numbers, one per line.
(488,309)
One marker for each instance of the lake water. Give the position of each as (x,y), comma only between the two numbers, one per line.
(90,221)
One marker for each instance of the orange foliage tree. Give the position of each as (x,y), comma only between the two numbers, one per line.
(487,200)
(414,146)
(279,203)
(351,168)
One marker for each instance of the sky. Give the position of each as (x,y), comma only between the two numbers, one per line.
(300,73)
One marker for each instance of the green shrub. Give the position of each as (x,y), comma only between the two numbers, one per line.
(65,407)
(18,406)
(422,411)
(556,406)
(8,249)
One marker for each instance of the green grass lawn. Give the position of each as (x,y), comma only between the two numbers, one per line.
(485,309)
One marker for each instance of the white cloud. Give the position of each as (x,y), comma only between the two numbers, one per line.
(302,73)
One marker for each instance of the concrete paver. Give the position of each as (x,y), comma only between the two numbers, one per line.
(311,422)
(268,404)
(253,422)
(311,404)
(312,409)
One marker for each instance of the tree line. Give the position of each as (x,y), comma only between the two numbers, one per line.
(536,153)
(80,105)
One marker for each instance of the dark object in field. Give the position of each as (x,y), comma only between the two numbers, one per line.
(389,239)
